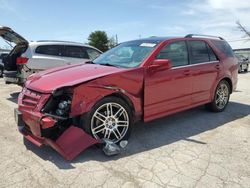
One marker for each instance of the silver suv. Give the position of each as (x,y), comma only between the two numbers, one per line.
(27,58)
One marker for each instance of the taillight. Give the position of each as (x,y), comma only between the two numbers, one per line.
(21,60)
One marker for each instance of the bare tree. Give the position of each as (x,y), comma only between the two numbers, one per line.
(243,29)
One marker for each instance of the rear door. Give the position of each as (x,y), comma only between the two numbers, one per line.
(205,70)
(11,36)
(21,44)
(168,91)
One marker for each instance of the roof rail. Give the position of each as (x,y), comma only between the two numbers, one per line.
(200,35)
(58,41)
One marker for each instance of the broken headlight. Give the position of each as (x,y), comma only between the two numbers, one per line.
(59,103)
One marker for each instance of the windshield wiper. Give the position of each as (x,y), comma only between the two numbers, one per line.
(111,65)
(89,62)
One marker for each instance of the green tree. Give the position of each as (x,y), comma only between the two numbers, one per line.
(99,39)
(243,29)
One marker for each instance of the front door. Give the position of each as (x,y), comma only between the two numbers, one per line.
(168,91)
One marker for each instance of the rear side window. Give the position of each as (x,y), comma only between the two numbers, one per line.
(76,52)
(212,56)
(93,54)
(198,52)
(176,52)
(224,47)
(56,50)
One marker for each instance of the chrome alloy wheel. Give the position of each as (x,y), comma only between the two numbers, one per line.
(110,121)
(222,96)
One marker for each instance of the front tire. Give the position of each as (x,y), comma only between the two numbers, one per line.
(110,119)
(221,97)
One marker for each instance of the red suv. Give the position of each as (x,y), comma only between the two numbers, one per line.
(73,107)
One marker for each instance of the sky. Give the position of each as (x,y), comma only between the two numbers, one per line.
(128,19)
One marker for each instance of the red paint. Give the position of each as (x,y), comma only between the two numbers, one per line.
(47,122)
(70,144)
(152,91)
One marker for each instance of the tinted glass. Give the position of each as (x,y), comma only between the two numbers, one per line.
(127,54)
(212,56)
(198,52)
(224,47)
(93,54)
(50,50)
(176,52)
(76,52)
(2,56)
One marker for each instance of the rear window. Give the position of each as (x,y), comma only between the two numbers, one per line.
(56,50)
(76,52)
(224,47)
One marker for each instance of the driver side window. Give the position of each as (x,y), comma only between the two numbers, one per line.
(176,52)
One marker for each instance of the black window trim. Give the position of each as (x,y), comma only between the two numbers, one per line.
(63,49)
(63,54)
(207,45)
(188,58)
(189,51)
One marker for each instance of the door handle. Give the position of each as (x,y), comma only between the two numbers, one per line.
(217,67)
(187,72)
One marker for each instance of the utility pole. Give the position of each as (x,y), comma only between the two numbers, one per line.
(116,39)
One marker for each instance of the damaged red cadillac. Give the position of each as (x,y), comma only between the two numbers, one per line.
(73,107)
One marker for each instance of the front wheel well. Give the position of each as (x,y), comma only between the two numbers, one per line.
(125,99)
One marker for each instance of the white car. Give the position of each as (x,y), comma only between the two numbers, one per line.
(27,58)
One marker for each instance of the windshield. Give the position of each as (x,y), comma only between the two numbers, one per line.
(127,55)
(240,57)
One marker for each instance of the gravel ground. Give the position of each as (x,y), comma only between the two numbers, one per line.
(194,148)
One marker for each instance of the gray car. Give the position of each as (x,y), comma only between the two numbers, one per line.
(243,63)
(27,58)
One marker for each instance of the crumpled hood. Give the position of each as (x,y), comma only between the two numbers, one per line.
(49,80)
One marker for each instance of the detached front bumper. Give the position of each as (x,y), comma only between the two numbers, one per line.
(69,144)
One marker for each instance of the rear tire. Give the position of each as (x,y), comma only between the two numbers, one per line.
(221,97)
(239,69)
(1,72)
(110,118)
(245,70)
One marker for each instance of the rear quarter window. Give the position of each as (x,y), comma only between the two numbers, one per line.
(224,47)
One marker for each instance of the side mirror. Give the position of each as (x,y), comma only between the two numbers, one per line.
(161,64)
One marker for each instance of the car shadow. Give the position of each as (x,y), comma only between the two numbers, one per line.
(155,134)
(13,97)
